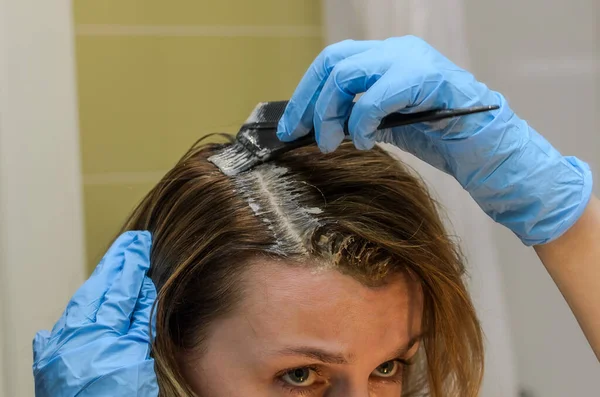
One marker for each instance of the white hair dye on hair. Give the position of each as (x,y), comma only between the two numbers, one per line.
(275,198)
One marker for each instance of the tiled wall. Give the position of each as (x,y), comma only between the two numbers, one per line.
(156,75)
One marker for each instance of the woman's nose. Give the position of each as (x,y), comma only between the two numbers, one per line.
(350,390)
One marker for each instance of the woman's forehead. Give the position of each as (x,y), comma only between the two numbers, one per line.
(296,304)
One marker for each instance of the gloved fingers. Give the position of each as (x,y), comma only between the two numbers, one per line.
(399,88)
(143,316)
(297,120)
(348,78)
(40,341)
(59,326)
(120,299)
(85,302)
(413,140)
(132,380)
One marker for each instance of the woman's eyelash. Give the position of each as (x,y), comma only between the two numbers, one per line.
(400,376)
(297,390)
(315,369)
(406,362)
(305,391)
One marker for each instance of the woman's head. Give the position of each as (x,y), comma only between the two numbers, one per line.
(313,275)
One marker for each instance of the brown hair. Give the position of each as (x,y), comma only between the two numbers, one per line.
(377,219)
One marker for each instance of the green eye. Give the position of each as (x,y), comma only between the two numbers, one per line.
(299,377)
(387,370)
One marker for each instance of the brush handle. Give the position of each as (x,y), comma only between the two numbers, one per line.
(267,114)
(399,119)
(390,121)
(259,133)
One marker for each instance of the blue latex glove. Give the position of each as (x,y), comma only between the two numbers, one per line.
(512,172)
(101,344)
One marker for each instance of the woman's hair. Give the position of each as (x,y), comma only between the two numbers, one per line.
(361,212)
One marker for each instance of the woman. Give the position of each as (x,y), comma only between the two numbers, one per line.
(330,262)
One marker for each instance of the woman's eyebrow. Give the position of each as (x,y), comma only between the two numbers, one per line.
(315,353)
(403,351)
(336,357)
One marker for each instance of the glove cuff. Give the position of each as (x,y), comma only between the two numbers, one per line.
(570,214)
(534,190)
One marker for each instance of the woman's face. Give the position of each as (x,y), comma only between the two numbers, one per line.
(302,332)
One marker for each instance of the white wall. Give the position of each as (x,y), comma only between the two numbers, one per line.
(544,56)
(441,22)
(41,233)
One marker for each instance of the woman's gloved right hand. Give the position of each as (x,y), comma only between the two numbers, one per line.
(101,344)
(512,172)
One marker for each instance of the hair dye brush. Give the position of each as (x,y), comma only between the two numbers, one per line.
(257,141)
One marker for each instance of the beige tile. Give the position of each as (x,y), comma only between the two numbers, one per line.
(106,208)
(223,12)
(145,100)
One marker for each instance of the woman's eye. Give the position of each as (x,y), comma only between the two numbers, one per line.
(387,370)
(299,377)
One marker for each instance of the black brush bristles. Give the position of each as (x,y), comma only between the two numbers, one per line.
(257,141)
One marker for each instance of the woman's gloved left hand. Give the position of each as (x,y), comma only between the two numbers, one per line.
(511,171)
(101,344)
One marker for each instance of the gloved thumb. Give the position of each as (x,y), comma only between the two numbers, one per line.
(144,317)
(40,341)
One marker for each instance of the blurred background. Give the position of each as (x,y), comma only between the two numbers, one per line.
(98,99)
